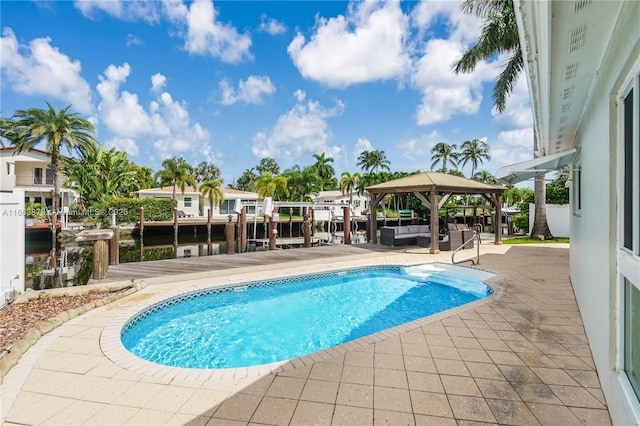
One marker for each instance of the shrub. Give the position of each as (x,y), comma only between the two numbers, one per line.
(521,221)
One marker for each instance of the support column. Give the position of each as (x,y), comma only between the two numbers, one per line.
(141,224)
(114,246)
(498,219)
(242,229)
(346,224)
(100,238)
(434,224)
(229,231)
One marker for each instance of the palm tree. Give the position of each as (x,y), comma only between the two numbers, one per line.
(272,186)
(323,168)
(373,161)
(206,171)
(474,151)
(303,181)
(445,153)
(211,189)
(176,172)
(349,182)
(500,35)
(28,127)
(485,177)
(268,164)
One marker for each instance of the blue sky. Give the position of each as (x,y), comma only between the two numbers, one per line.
(232,82)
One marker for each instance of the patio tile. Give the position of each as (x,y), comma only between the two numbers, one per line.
(390,361)
(138,394)
(422,420)
(474,355)
(149,417)
(389,346)
(430,403)
(471,408)
(203,402)
(312,413)
(359,375)
(348,415)
(484,371)
(355,395)
(76,413)
(274,411)
(298,372)
(286,387)
(383,417)
(390,378)
(359,359)
(439,340)
(417,349)
(391,399)
(423,364)
(111,415)
(536,393)
(239,407)
(493,345)
(504,357)
(324,371)
(587,379)
(444,352)
(320,391)
(554,414)
(458,385)
(512,412)
(515,373)
(575,396)
(188,420)
(459,332)
(554,376)
(589,416)
(466,342)
(451,367)
(497,389)
(424,382)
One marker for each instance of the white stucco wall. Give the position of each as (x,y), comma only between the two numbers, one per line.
(11,242)
(557,218)
(594,228)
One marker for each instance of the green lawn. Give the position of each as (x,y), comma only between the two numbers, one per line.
(529,240)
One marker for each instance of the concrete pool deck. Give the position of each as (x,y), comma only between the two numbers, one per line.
(521,357)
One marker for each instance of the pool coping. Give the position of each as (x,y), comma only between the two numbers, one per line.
(113,349)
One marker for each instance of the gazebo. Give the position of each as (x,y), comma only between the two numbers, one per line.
(433,188)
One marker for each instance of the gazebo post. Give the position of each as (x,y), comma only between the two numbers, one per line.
(373,219)
(435,226)
(498,219)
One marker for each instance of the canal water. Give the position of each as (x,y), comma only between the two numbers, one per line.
(71,263)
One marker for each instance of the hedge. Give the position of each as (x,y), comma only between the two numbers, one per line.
(128,209)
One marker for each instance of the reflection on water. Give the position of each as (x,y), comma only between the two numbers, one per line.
(71,264)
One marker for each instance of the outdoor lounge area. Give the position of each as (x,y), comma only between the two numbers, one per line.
(518,357)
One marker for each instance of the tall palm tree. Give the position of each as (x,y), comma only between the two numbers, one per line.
(211,189)
(177,173)
(373,161)
(323,168)
(272,186)
(474,151)
(349,182)
(500,35)
(444,153)
(28,127)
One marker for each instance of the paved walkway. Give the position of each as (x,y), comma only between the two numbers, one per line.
(519,358)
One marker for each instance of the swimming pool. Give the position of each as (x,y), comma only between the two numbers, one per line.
(269,321)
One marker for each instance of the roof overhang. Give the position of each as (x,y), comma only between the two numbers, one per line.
(538,166)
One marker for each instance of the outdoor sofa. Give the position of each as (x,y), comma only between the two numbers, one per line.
(402,235)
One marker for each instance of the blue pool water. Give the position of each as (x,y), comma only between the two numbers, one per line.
(266,323)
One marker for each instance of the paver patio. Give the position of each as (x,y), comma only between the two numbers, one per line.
(520,358)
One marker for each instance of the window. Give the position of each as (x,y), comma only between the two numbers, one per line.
(632,335)
(226,207)
(49,177)
(37,176)
(629,233)
(187,201)
(576,187)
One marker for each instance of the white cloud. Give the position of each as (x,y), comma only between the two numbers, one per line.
(362,145)
(40,69)
(127,145)
(303,129)
(146,10)
(464,28)
(417,151)
(133,40)
(517,113)
(444,93)
(158,81)
(271,26)
(208,36)
(166,122)
(368,44)
(511,147)
(250,91)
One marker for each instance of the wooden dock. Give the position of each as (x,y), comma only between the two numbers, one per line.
(167,267)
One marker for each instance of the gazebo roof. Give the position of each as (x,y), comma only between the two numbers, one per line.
(435,181)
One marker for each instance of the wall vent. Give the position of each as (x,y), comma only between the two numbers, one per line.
(567,93)
(565,108)
(570,71)
(563,119)
(576,38)
(578,5)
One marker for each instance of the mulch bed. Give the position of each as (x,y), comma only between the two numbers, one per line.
(17,318)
